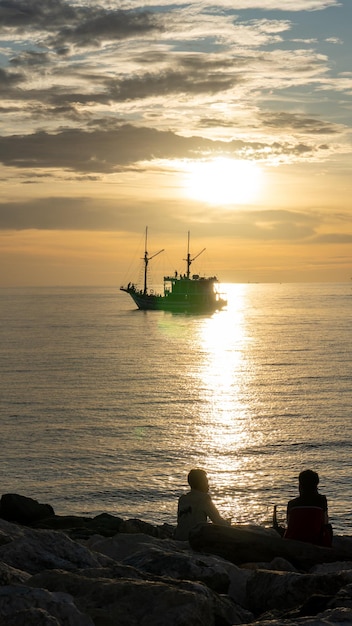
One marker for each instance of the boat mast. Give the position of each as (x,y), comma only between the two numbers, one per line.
(146,259)
(189,261)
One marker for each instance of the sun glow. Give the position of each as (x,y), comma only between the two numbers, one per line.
(223,181)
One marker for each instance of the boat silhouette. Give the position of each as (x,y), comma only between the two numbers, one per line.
(182,292)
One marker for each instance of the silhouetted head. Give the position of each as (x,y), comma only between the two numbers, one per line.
(197,479)
(308,481)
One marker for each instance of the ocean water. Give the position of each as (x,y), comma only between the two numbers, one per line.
(105,408)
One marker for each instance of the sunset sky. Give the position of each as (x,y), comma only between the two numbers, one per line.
(231,120)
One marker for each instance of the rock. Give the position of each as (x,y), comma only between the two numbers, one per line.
(146,554)
(343,598)
(11,576)
(29,617)
(122,545)
(65,570)
(20,605)
(16,508)
(80,527)
(129,602)
(329,568)
(36,550)
(342,543)
(328,618)
(182,566)
(276,590)
(277,565)
(242,545)
(10,531)
(107,525)
(138,526)
(315,604)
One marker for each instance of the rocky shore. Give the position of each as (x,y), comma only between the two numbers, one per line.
(107,571)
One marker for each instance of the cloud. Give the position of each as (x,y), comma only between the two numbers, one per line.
(334,238)
(60,214)
(126,146)
(298,123)
(31,59)
(85,213)
(168,69)
(9,80)
(236,5)
(78,24)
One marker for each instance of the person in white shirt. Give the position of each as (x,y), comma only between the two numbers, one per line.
(196,506)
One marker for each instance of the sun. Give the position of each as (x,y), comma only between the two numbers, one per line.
(223,181)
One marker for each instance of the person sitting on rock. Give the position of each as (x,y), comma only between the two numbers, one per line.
(307,515)
(196,506)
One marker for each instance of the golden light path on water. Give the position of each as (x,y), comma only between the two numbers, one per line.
(226,422)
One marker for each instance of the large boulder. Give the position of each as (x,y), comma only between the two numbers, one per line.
(23,510)
(240,544)
(330,617)
(82,527)
(284,590)
(166,557)
(35,550)
(11,576)
(124,545)
(130,602)
(25,606)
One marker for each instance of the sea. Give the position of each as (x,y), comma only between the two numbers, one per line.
(105,408)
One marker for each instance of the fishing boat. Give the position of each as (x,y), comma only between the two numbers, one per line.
(182,292)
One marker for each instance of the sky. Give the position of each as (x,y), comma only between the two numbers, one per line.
(230,120)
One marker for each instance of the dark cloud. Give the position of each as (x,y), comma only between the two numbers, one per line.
(299,123)
(97,151)
(75,24)
(31,59)
(8,80)
(60,214)
(111,26)
(111,150)
(190,75)
(81,213)
(265,225)
(21,14)
(166,83)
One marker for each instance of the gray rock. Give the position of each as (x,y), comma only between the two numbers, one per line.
(276,565)
(123,545)
(30,607)
(240,544)
(23,510)
(143,576)
(11,576)
(29,617)
(277,590)
(343,598)
(129,602)
(330,568)
(10,531)
(138,526)
(330,617)
(166,557)
(36,550)
(182,566)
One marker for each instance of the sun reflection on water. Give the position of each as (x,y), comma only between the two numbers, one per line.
(223,371)
(226,423)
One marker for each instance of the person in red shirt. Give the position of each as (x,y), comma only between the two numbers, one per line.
(307,515)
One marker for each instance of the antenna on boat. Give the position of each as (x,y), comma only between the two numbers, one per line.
(147,258)
(189,261)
